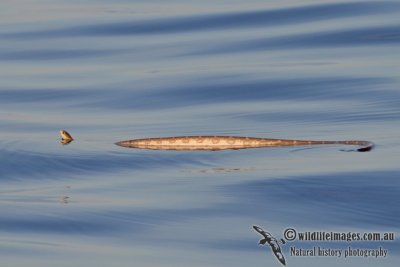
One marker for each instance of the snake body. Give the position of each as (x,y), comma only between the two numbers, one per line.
(229,142)
(220,142)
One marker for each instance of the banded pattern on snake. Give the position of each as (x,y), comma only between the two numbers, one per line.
(220,142)
(229,142)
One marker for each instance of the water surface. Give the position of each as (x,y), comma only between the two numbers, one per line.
(323,70)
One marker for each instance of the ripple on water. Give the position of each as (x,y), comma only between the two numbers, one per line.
(342,199)
(223,21)
(319,71)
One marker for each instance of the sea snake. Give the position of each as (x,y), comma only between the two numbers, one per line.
(220,142)
(229,142)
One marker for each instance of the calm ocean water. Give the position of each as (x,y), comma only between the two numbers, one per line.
(114,70)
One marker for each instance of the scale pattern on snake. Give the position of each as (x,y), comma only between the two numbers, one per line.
(220,142)
(229,142)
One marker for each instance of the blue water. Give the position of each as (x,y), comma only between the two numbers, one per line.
(114,70)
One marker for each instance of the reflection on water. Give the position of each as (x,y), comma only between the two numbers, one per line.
(223,170)
(132,70)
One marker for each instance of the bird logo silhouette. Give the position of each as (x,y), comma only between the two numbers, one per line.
(273,242)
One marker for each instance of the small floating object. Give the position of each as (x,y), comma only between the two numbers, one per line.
(66,138)
(229,142)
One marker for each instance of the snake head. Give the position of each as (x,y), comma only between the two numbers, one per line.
(65,135)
